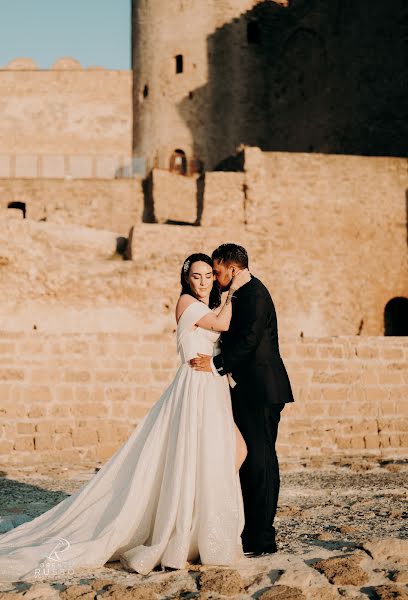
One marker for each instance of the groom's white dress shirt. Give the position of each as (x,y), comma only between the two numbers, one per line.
(215,372)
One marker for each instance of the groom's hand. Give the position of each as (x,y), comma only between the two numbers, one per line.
(202,363)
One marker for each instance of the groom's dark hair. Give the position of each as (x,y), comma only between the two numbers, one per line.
(231,253)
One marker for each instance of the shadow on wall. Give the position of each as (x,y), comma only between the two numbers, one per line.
(149,214)
(314,76)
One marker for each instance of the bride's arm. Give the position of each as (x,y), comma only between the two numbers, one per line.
(221,321)
(216,321)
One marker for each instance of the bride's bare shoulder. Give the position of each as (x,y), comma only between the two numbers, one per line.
(183,302)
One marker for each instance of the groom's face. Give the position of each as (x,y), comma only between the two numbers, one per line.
(223,274)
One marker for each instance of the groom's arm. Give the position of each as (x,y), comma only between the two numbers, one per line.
(255,315)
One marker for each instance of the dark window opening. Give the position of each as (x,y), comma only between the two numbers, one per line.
(178,162)
(145,91)
(20,205)
(396,317)
(253,33)
(179,63)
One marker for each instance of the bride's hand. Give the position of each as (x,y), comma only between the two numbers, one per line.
(240,279)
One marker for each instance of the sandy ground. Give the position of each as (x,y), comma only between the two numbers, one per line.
(342,533)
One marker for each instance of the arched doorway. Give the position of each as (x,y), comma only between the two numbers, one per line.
(396,317)
(20,205)
(178,162)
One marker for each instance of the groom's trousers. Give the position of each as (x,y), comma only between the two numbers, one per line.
(259,474)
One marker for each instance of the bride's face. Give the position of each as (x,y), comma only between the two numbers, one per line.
(200,279)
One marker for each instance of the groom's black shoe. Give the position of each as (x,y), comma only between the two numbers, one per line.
(269,549)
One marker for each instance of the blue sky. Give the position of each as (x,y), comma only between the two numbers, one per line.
(95,32)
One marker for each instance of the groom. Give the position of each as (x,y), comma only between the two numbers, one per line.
(250,354)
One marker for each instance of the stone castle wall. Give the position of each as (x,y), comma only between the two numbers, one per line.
(112,204)
(327,233)
(313,76)
(49,114)
(68,397)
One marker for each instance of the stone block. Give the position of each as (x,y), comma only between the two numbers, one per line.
(84,437)
(25,427)
(90,409)
(45,427)
(174,197)
(77,376)
(24,443)
(367,352)
(5,166)
(44,442)
(105,451)
(45,376)
(11,374)
(80,167)
(59,410)
(107,167)
(372,442)
(336,393)
(224,199)
(385,441)
(62,442)
(306,351)
(404,440)
(389,377)
(388,408)
(331,351)
(137,411)
(6,446)
(37,394)
(343,443)
(5,393)
(392,353)
(64,393)
(26,166)
(357,443)
(53,166)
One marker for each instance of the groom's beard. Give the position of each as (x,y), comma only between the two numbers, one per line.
(226,287)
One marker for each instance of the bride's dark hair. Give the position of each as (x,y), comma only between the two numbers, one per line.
(215,294)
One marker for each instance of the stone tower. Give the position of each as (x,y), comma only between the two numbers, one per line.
(285,75)
(172,65)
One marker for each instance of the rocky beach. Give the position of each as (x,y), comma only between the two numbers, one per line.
(341,534)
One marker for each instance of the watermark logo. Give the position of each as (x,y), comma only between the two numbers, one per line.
(55,565)
(62,546)
(52,565)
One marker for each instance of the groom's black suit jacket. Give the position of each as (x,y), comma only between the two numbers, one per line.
(250,348)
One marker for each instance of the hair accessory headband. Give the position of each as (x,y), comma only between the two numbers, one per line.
(186,267)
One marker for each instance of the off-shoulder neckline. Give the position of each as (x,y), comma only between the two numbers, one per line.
(192,304)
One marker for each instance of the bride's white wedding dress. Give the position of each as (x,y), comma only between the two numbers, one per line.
(170,494)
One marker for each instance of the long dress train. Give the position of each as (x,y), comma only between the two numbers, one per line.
(170,494)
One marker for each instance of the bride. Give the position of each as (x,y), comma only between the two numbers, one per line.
(171,493)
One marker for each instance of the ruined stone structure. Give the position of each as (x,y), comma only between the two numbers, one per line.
(286,118)
(54,122)
(294,75)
